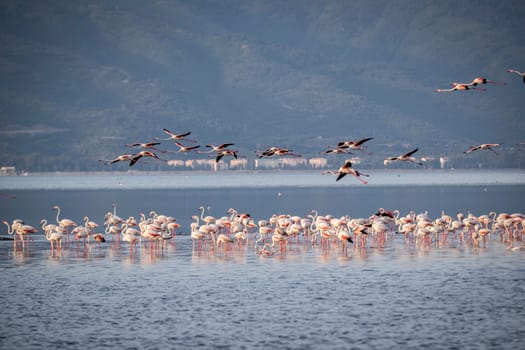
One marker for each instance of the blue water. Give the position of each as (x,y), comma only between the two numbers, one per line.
(451,297)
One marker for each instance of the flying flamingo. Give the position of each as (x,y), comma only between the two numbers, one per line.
(521,74)
(185,149)
(460,87)
(337,151)
(482,147)
(147,145)
(121,158)
(277,151)
(175,137)
(480,80)
(217,148)
(345,169)
(141,154)
(226,152)
(354,145)
(404,157)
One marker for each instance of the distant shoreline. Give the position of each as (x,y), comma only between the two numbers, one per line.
(256,179)
(264,171)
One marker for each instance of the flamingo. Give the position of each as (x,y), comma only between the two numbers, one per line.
(113,230)
(277,151)
(225,241)
(147,145)
(480,80)
(345,237)
(354,145)
(521,74)
(53,236)
(207,219)
(141,154)
(64,223)
(337,151)
(345,169)
(175,137)
(47,227)
(404,157)
(90,226)
(130,235)
(80,233)
(482,147)
(218,148)
(197,237)
(185,149)
(460,87)
(99,238)
(20,229)
(226,152)
(121,158)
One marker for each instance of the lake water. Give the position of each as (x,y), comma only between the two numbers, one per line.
(448,297)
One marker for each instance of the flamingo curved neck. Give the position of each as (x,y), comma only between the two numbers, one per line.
(10,229)
(58,213)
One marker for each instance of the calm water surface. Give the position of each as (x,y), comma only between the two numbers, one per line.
(451,297)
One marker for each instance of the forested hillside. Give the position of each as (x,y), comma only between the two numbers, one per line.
(80,79)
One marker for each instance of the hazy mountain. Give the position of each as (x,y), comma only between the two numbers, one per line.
(80,79)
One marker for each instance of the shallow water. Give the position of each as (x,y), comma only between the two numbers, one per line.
(453,297)
(448,297)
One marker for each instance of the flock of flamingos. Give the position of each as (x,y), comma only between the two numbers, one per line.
(279,233)
(343,147)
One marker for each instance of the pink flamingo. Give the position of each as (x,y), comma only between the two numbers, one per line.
(480,80)
(185,149)
(345,169)
(218,148)
(521,74)
(277,151)
(460,87)
(175,137)
(147,145)
(225,152)
(482,147)
(354,145)
(406,157)
(337,151)
(121,158)
(142,154)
